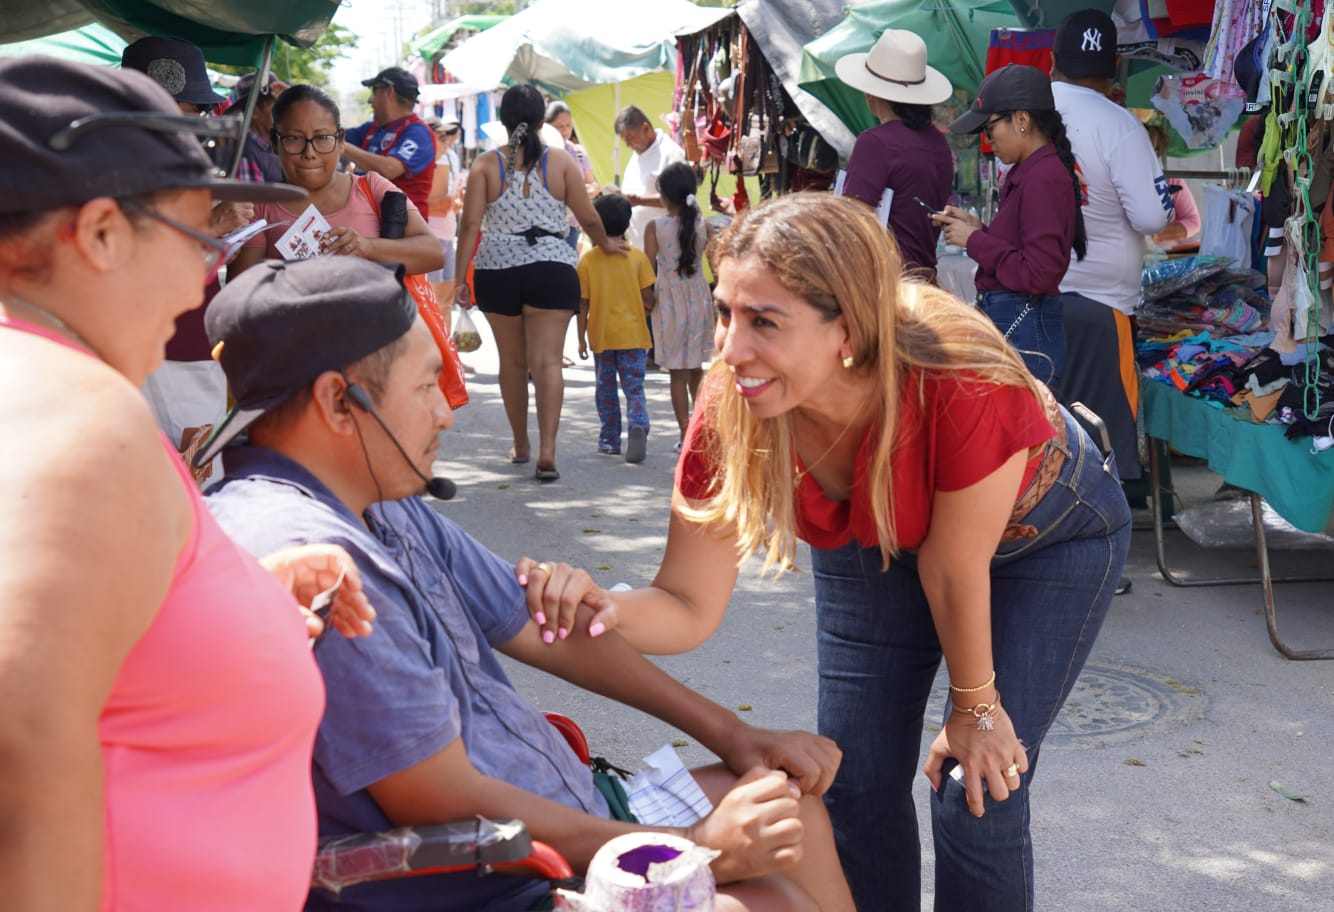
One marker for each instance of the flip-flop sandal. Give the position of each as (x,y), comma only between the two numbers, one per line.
(517,459)
(547,473)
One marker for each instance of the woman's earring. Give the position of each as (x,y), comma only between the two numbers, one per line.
(848,361)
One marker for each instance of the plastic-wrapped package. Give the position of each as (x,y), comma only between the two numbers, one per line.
(645,872)
(1170,276)
(1227,524)
(349,860)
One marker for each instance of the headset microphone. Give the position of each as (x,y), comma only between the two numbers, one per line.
(438,487)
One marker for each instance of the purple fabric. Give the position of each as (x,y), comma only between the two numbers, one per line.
(911,163)
(1026,248)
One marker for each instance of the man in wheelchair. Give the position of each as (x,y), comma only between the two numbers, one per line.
(335,380)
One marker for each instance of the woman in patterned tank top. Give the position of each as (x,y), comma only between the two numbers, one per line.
(526,284)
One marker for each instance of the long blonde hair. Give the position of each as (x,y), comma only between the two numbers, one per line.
(833,254)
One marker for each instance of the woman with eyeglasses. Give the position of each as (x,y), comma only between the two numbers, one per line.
(1023,254)
(308,138)
(160,700)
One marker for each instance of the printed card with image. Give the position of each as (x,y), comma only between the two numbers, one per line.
(302,240)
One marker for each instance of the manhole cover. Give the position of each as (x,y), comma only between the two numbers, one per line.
(1113,703)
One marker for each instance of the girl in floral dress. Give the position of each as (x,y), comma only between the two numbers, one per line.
(683,319)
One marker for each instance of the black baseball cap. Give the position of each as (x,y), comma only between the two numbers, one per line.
(1085,45)
(398,79)
(277,326)
(176,65)
(1013,87)
(70,132)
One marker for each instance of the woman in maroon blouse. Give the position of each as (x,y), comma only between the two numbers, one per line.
(1023,254)
(952,509)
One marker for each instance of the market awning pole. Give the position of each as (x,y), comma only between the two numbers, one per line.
(616,143)
(260,84)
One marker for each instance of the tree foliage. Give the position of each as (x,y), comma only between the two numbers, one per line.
(293,65)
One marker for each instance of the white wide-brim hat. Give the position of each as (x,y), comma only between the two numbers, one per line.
(895,69)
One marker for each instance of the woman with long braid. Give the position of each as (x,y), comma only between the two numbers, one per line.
(524,272)
(1022,255)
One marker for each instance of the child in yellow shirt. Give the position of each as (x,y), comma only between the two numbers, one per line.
(616,296)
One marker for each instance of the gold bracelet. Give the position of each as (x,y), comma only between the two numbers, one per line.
(984,713)
(967,690)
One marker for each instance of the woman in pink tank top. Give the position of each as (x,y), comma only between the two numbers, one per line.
(160,701)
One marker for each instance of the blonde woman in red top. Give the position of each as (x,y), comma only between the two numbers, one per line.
(953,511)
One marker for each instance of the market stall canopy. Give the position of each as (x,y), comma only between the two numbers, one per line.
(782,28)
(434,41)
(95,44)
(567,45)
(1049,13)
(956,36)
(228,31)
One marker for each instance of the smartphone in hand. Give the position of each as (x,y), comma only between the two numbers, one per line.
(931,210)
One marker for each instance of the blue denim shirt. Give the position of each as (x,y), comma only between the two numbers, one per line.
(424,678)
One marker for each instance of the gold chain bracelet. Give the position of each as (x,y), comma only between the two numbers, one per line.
(967,690)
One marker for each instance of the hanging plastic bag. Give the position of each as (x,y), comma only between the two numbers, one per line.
(466,337)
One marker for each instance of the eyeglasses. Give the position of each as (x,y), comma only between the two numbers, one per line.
(990,124)
(214,250)
(324,143)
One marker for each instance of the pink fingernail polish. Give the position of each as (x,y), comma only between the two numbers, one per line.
(562,633)
(540,617)
(548,637)
(597,629)
(933,785)
(523,579)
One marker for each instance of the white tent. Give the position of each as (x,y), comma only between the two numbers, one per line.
(568,45)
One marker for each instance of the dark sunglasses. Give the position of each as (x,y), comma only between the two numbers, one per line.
(990,124)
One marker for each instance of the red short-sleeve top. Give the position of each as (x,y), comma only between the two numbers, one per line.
(960,431)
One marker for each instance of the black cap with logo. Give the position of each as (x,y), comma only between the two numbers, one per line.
(400,80)
(1013,87)
(1085,45)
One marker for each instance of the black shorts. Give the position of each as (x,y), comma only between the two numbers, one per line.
(547,285)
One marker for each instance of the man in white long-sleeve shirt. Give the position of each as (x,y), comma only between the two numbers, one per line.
(1126,198)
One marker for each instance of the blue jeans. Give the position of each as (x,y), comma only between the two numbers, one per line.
(1032,324)
(878,656)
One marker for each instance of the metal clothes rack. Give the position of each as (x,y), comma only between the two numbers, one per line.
(1235,177)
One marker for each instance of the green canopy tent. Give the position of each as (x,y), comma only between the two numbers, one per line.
(956,36)
(228,31)
(1047,13)
(239,32)
(95,44)
(428,46)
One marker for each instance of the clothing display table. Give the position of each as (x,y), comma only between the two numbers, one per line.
(1257,458)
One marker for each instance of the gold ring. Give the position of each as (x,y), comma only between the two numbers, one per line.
(1012,770)
(544,567)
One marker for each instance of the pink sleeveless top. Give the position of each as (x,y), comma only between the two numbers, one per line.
(207,736)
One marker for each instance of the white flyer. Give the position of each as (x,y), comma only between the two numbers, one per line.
(302,240)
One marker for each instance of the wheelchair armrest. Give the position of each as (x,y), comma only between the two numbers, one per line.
(436,849)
